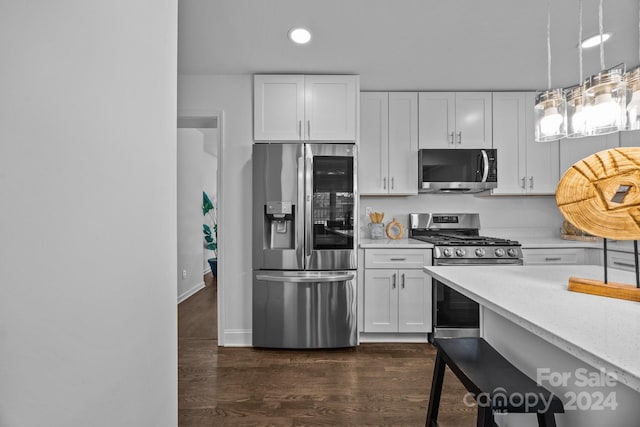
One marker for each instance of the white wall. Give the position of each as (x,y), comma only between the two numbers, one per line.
(233,96)
(190,235)
(88,213)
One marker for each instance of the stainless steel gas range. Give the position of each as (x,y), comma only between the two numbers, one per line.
(457,242)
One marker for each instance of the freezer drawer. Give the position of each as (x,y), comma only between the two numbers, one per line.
(304,309)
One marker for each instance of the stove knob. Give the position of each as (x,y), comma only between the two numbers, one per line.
(499,252)
(447,252)
(460,252)
(480,252)
(512,252)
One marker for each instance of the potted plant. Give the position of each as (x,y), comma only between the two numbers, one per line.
(210,230)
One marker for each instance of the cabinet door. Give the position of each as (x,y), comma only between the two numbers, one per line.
(473,120)
(278,107)
(414,302)
(403,143)
(373,151)
(543,158)
(436,119)
(573,150)
(331,108)
(380,300)
(509,138)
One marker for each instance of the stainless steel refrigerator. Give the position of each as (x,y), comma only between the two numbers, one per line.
(304,245)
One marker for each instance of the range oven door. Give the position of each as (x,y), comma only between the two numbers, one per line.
(455,315)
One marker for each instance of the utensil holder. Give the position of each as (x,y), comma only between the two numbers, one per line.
(376,230)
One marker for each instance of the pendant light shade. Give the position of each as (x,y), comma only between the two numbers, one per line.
(604,101)
(550,115)
(576,114)
(633,95)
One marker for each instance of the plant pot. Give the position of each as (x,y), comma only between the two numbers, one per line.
(213,263)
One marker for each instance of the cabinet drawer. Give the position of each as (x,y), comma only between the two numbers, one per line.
(621,260)
(554,256)
(397,258)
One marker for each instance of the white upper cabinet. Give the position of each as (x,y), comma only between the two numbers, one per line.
(388,143)
(305,108)
(455,120)
(524,165)
(278,107)
(573,150)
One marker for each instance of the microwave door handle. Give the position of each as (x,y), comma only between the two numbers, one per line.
(485,160)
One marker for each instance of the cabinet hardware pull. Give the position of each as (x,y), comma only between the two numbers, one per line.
(451,137)
(460,137)
(308,129)
(300,129)
(554,258)
(384,183)
(531,182)
(523,182)
(623,264)
(392,183)
(402,280)
(393,282)
(397,259)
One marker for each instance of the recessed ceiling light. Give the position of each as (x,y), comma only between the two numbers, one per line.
(595,40)
(299,35)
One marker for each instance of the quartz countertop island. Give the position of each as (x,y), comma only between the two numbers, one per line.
(603,332)
(531,317)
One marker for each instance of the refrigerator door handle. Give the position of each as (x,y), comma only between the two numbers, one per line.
(308,213)
(306,279)
(300,217)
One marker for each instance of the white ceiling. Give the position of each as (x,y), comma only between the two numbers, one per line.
(406,44)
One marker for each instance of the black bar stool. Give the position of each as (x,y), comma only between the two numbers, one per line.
(496,385)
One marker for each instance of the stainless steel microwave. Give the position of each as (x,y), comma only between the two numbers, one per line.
(457,170)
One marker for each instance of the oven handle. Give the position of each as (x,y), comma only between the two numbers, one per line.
(462,264)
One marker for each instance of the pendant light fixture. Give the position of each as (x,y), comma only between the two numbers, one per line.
(576,117)
(550,108)
(605,96)
(633,87)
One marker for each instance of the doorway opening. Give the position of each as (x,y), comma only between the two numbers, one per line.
(199,138)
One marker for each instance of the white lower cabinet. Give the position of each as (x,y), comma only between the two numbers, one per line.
(397,293)
(621,260)
(550,256)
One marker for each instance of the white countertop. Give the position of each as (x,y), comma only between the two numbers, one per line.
(603,332)
(395,244)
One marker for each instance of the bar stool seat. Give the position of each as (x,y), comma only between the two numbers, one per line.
(496,385)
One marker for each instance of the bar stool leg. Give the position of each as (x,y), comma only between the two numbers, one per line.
(436,391)
(485,417)
(546,420)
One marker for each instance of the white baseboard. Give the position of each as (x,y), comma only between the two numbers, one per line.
(186,294)
(237,338)
(393,338)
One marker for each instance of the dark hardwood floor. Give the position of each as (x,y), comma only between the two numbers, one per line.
(373,384)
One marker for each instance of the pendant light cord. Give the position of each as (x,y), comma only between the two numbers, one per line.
(580,38)
(549,44)
(601,31)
